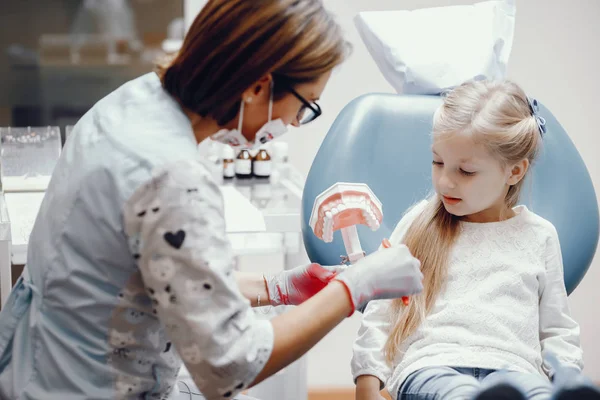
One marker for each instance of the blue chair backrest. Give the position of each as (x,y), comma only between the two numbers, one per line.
(384,140)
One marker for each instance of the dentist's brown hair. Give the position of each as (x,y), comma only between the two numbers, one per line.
(233,43)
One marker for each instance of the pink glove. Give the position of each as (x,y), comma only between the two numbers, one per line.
(294,286)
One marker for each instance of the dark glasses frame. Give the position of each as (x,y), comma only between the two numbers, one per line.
(313,106)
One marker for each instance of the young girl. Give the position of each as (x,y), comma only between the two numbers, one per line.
(494,296)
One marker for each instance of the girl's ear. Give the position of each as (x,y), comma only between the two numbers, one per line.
(517,172)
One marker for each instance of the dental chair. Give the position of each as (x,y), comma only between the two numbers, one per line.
(383,140)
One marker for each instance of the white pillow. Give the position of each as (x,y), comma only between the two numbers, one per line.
(429,50)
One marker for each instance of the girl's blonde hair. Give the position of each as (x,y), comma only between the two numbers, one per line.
(498,116)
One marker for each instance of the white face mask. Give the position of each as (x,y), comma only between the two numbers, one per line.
(268,132)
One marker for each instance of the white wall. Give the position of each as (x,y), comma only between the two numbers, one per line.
(555,58)
(191,8)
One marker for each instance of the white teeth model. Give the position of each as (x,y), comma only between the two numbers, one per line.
(344,205)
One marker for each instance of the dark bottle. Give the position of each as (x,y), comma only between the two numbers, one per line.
(228,156)
(261,165)
(243,165)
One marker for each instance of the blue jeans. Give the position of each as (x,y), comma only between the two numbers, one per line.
(453,383)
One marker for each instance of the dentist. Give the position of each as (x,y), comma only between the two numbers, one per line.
(130,272)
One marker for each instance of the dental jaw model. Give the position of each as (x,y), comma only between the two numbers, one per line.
(341,207)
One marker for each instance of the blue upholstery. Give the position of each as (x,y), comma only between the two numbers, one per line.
(383,140)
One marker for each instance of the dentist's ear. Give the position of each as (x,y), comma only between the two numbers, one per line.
(517,172)
(260,90)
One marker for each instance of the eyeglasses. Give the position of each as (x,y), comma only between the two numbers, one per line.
(309,110)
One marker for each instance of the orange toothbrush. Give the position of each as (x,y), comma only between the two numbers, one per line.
(386,243)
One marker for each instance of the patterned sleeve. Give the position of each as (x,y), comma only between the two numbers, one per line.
(177,224)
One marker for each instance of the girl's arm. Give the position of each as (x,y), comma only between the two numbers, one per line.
(559,332)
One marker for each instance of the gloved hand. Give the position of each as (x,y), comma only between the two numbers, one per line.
(294,286)
(386,274)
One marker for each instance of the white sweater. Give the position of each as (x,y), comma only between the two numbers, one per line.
(504,305)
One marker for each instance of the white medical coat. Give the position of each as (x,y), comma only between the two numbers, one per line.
(129,267)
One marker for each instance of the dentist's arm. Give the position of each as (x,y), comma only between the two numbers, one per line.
(290,287)
(186,262)
(387,274)
(295,286)
(299,329)
(253,287)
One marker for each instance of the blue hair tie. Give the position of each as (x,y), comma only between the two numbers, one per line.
(535,109)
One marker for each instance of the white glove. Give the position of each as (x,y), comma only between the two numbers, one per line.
(294,286)
(386,274)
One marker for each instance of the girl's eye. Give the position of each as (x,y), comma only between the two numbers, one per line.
(437,163)
(467,173)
